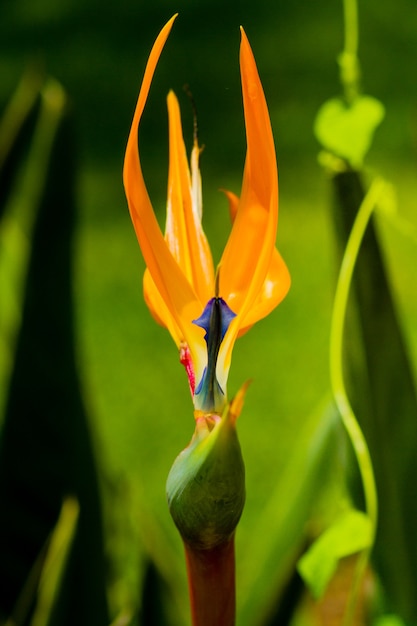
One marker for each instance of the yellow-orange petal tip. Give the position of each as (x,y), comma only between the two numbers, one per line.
(236,404)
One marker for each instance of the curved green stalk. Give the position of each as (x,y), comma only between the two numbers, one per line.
(350,10)
(336,374)
(348,60)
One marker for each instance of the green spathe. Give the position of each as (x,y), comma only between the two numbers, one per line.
(206,484)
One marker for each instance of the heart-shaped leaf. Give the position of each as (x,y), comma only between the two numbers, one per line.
(347,130)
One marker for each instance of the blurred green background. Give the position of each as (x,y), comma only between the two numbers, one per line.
(135,391)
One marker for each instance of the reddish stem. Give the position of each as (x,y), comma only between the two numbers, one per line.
(211,582)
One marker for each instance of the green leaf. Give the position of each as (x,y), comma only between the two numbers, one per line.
(19,128)
(349,535)
(55,563)
(347,130)
(16,130)
(389,620)
(281,529)
(381,388)
(46,449)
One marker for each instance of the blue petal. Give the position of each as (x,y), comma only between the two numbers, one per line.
(215,320)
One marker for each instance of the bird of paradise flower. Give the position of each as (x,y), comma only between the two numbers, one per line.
(203,309)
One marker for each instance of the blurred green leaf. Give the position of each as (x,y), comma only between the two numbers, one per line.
(124,619)
(46,449)
(43,583)
(281,529)
(19,135)
(164,574)
(381,388)
(16,128)
(346,129)
(389,620)
(154,598)
(55,562)
(348,535)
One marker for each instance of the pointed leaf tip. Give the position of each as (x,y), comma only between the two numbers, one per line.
(236,405)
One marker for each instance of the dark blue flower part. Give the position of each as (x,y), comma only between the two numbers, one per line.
(215,320)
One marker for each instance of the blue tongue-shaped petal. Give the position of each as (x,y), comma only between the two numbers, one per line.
(215,320)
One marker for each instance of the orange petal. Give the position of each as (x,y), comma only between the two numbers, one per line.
(184,233)
(173,287)
(233,200)
(247,257)
(158,308)
(274,289)
(275,286)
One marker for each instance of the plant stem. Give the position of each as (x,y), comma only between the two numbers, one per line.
(348,59)
(351,27)
(337,379)
(336,349)
(211,582)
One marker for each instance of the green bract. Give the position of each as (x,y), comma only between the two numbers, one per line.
(206,484)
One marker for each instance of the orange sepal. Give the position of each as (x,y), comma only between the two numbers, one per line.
(184,234)
(178,295)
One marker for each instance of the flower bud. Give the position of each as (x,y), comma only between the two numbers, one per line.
(206,484)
